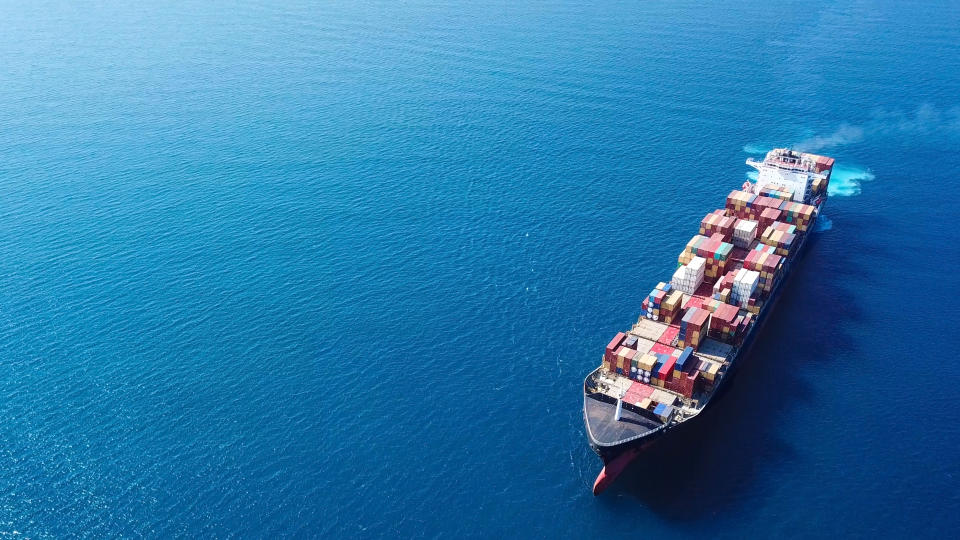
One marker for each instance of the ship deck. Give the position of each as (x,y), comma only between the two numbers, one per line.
(599,416)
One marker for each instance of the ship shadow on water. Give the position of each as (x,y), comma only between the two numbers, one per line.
(709,467)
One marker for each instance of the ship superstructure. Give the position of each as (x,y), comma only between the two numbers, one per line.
(792,171)
(669,366)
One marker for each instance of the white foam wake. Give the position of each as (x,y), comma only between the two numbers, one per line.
(823,224)
(848,181)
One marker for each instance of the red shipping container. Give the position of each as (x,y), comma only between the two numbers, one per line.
(724,314)
(823,163)
(638,392)
(614,345)
(667,369)
(627,360)
(660,348)
(767,202)
(615,359)
(690,383)
(669,335)
(697,320)
(767,217)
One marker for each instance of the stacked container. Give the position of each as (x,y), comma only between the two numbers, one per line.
(725,282)
(744,284)
(762,203)
(723,322)
(764,248)
(637,393)
(768,264)
(645,367)
(609,356)
(684,360)
(670,308)
(817,187)
(744,324)
(709,369)
(689,276)
(798,214)
(667,363)
(690,251)
(659,396)
(740,203)
(663,412)
(716,253)
(723,295)
(652,304)
(692,327)
(714,249)
(767,217)
(744,232)
(823,163)
(657,365)
(717,222)
(782,241)
(685,374)
(625,357)
(784,227)
(641,347)
(777,192)
(669,336)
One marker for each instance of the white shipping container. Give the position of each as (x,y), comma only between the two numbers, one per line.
(744,233)
(744,284)
(697,266)
(685,281)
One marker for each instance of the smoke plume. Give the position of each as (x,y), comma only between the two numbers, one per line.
(926,119)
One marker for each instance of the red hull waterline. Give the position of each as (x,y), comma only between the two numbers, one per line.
(612,470)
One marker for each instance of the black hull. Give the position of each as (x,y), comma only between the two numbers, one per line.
(610,452)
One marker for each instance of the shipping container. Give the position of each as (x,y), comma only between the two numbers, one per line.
(613,346)
(744,233)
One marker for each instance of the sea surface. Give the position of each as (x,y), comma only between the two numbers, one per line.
(337,269)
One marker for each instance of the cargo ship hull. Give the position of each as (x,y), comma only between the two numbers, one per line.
(610,453)
(619,433)
(629,450)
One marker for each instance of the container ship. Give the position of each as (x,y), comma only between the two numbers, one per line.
(663,372)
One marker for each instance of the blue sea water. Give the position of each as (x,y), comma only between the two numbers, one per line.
(338,268)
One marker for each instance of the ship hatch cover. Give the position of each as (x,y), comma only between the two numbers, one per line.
(714,348)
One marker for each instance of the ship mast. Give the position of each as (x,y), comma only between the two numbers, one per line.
(616,415)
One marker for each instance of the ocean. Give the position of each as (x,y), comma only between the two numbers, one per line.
(338,269)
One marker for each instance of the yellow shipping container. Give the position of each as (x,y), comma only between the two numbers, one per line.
(710,371)
(707,375)
(646,362)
